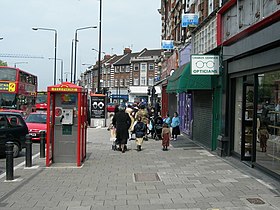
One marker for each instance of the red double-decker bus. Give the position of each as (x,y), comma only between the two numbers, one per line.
(17,89)
(41,101)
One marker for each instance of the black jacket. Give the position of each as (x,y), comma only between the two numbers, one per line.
(140,129)
(121,122)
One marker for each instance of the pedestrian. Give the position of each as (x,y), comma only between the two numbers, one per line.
(167,120)
(263,136)
(175,123)
(143,113)
(140,130)
(121,122)
(157,107)
(112,130)
(129,111)
(165,134)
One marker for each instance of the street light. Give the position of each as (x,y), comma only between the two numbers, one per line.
(99,49)
(61,67)
(15,64)
(72,48)
(86,64)
(55,45)
(76,40)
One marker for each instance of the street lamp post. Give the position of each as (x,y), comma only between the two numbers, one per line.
(55,46)
(15,64)
(61,67)
(99,49)
(72,49)
(76,40)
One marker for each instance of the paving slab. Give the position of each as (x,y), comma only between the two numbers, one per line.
(190,178)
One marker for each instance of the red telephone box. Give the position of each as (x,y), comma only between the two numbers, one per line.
(66,125)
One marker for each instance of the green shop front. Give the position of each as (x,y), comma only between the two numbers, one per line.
(198,105)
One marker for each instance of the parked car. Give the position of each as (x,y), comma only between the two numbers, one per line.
(36,122)
(111,107)
(14,129)
(22,113)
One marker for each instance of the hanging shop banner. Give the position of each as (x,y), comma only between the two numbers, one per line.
(167,44)
(189,20)
(98,106)
(205,65)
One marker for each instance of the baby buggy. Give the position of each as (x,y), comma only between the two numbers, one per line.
(157,128)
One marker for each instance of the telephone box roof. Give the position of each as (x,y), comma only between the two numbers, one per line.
(66,87)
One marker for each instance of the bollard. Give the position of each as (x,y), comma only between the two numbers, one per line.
(9,161)
(42,143)
(28,151)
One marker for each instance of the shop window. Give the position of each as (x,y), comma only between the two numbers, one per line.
(268,111)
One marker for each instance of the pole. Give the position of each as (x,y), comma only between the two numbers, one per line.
(55,46)
(99,53)
(75,56)
(61,71)
(9,161)
(71,73)
(42,144)
(28,154)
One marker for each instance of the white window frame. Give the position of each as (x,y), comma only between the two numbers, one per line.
(151,66)
(151,81)
(136,67)
(143,67)
(143,81)
(136,81)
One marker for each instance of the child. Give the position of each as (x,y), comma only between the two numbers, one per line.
(263,136)
(165,134)
(139,129)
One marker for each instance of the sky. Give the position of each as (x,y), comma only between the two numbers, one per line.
(125,23)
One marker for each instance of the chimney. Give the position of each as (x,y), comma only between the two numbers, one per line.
(127,50)
(106,57)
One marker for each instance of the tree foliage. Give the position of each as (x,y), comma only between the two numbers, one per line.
(2,63)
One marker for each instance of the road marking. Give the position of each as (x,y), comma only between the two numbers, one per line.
(20,165)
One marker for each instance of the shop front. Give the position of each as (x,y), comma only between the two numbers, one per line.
(197,116)
(254,87)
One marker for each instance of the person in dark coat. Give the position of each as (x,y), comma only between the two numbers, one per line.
(121,122)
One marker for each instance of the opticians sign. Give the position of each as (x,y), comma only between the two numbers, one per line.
(205,65)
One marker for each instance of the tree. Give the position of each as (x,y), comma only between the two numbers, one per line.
(2,63)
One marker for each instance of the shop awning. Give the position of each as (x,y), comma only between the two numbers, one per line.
(182,80)
(173,80)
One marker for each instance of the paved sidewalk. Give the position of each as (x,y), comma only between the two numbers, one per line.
(189,178)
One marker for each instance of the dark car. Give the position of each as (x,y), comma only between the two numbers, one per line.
(14,129)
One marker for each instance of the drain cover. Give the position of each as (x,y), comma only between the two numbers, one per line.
(146,177)
(255,200)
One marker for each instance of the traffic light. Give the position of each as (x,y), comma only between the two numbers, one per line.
(149,92)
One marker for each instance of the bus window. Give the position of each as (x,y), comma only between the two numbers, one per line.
(8,74)
(7,100)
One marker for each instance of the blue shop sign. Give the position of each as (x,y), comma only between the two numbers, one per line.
(189,20)
(167,44)
(119,96)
